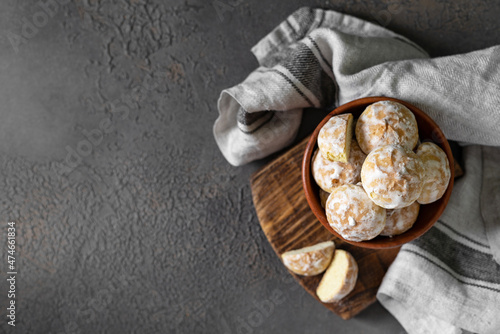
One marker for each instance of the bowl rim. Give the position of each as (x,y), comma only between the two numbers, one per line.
(378,242)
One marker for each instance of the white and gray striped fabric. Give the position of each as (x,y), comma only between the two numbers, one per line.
(447,281)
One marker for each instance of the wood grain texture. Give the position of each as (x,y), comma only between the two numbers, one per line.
(288,223)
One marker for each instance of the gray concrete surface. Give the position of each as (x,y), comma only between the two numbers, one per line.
(128,218)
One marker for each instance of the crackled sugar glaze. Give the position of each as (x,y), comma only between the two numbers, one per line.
(400,220)
(352,214)
(437,172)
(392,176)
(339,279)
(309,261)
(386,123)
(329,174)
(334,138)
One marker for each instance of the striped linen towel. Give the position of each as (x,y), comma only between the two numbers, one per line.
(447,281)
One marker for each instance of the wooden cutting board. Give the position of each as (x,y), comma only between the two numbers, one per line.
(288,223)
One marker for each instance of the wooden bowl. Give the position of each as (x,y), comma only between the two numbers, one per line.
(429,213)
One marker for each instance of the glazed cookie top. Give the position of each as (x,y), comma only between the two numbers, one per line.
(353,215)
(329,174)
(309,261)
(334,138)
(437,172)
(392,176)
(386,123)
(400,220)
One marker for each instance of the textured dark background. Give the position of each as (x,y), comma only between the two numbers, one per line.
(150,230)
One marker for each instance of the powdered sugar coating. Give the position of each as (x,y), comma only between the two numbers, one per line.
(437,172)
(352,214)
(400,220)
(330,174)
(386,123)
(392,176)
(332,138)
(309,261)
